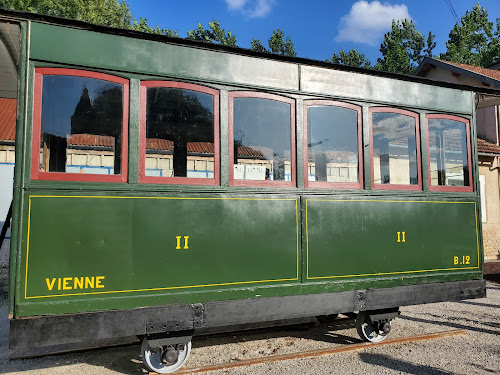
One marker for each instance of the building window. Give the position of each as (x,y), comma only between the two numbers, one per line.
(179,141)
(262,139)
(80,121)
(395,149)
(449,153)
(333,152)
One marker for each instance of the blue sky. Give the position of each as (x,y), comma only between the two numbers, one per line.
(318,28)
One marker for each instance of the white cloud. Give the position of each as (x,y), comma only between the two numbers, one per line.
(261,9)
(235,4)
(251,8)
(366,22)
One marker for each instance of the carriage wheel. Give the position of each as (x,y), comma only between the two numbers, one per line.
(371,331)
(166,359)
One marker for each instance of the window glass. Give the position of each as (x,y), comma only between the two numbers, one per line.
(179,133)
(262,139)
(81,125)
(332,144)
(448,152)
(394,149)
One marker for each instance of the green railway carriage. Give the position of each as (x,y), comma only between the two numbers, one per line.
(165,188)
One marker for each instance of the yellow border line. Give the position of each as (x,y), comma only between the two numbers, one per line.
(477,235)
(391,273)
(133,197)
(381,201)
(165,288)
(297,223)
(307,245)
(27,248)
(386,273)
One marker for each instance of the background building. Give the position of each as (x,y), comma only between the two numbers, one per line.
(488,142)
(9,61)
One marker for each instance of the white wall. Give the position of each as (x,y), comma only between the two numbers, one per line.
(6,184)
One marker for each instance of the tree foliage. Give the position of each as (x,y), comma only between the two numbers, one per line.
(474,40)
(256,45)
(142,25)
(404,48)
(214,35)
(351,58)
(112,13)
(277,44)
(103,12)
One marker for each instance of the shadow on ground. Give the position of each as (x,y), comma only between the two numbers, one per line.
(399,365)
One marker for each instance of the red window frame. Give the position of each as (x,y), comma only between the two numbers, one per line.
(36,174)
(142,136)
(417,138)
(325,184)
(467,189)
(261,95)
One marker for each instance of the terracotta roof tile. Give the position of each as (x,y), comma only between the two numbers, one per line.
(192,147)
(490,73)
(7,119)
(487,147)
(200,147)
(159,144)
(255,151)
(91,140)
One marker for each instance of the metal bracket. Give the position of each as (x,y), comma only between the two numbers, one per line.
(360,301)
(168,326)
(198,315)
(468,293)
(384,314)
(160,340)
(193,320)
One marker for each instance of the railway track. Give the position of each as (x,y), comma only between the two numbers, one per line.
(317,352)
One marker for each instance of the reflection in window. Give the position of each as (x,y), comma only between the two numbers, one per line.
(81,129)
(262,139)
(394,149)
(332,144)
(448,152)
(179,133)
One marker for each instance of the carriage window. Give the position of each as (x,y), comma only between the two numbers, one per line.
(395,149)
(179,140)
(80,126)
(332,145)
(448,153)
(262,149)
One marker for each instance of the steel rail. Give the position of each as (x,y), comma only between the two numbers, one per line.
(318,352)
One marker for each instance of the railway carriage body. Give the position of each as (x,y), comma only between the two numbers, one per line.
(165,187)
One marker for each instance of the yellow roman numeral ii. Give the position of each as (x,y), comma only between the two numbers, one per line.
(401,237)
(179,238)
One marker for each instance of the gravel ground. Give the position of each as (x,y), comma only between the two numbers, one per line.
(476,352)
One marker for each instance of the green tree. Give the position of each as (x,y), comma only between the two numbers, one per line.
(351,58)
(404,48)
(112,13)
(474,40)
(215,35)
(277,44)
(143,26)
(257,46)
(103,12)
